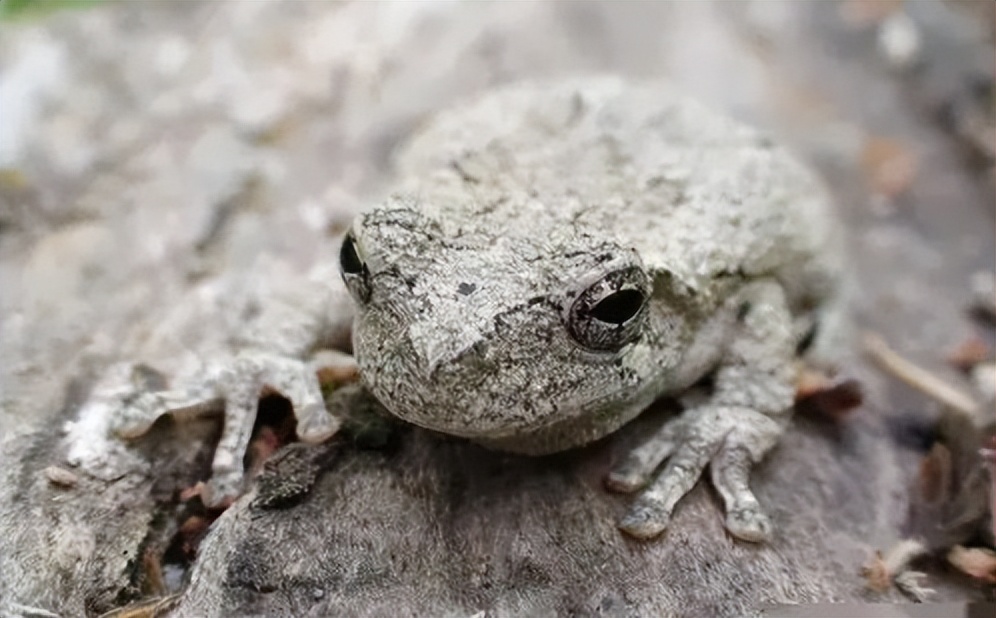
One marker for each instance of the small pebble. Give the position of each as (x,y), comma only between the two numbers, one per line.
(899,40)
(60,477)
(984,380)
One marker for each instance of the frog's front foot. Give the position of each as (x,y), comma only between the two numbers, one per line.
(749,409)
(730,440)
(234,388)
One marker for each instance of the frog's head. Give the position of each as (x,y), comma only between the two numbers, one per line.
(494,334)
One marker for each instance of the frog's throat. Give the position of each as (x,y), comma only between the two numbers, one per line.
(570,432)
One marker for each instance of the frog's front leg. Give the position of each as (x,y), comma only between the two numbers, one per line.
(747,413)
(235,386)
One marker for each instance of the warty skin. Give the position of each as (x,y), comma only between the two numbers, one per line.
(478,283)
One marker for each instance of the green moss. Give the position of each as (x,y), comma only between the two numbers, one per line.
(19,9)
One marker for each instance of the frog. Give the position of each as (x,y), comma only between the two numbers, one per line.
(559,254)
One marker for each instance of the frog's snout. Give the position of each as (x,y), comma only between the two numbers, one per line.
(458,351)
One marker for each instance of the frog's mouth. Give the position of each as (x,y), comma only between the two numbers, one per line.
(587,425)
(567,426)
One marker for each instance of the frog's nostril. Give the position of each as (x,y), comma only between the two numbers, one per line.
(436,352)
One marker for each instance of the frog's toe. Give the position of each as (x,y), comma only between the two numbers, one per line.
(745,519)
(315,424)
(645,521)
(652,511)
(223,488)
(136,418)
(624,481)
(749,524)
(136,423)
(638,467)
(298,382)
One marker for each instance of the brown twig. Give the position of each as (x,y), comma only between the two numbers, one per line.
(918,377)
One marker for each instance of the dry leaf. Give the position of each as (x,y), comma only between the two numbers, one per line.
(192,492)
(934,480)
(890,166)
(149,608)
(810,382)
(832,398)
(191,531)
(877,573)
(969,353)
(977,562)
(153,567)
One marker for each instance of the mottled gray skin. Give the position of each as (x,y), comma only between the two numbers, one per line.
(521,206)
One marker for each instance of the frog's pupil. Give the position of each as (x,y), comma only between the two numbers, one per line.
(618,307)
(348,258)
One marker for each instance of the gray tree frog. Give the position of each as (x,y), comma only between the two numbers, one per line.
(559,255)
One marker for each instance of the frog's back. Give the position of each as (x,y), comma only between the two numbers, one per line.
(696,194)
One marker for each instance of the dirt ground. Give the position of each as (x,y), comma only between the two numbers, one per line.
(149,149)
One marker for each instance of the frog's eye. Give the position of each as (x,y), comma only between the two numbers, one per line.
(609,314)
(354,270)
